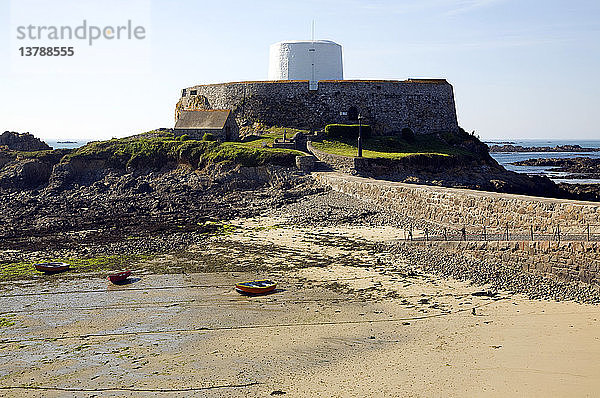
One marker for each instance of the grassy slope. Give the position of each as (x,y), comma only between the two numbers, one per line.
(156,151)
(391,147)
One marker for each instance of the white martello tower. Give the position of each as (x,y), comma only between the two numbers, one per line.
(311,60)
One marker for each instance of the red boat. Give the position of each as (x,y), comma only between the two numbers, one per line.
(256,287)
(119,276)
(52,267)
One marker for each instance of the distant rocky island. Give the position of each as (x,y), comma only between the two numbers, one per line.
(581,167)
(557,148)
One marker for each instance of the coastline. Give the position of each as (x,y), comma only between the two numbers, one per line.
(506,159)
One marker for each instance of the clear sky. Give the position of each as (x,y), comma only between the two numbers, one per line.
(520,68)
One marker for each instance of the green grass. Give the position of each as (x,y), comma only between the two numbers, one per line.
(221,228)
(391,147)
(157,151)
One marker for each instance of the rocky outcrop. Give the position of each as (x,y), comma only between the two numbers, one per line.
(582,167)
(22,142)
(24,174)
(581,191)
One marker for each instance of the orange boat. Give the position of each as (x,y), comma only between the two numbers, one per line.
(256,287)
(119,276)
(51,267)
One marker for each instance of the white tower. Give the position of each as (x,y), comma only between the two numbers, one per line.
(305,60)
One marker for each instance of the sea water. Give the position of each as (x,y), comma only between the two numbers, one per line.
(506,158)
(66,144)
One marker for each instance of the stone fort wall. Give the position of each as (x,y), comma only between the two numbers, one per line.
(425,106)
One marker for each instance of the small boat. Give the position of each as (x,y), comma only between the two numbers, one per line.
(119,276)
(51,267)
(255,287)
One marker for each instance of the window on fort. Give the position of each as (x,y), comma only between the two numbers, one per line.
(183,92)
(353,113)
(193,92)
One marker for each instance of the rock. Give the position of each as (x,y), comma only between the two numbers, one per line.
(305,163)
(24,174)
(22,142)
(143,187)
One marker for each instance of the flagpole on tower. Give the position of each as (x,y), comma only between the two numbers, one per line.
(312,50)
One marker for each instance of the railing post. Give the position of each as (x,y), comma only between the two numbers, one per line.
(464,233)
(484,234)
(588,232)
(445,234)
(531,231)
(426,235)
(558,233)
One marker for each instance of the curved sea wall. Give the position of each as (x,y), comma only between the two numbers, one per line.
(573,260)
(425,106)
(465,207)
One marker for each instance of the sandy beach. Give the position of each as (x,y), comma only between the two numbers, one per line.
(346,320)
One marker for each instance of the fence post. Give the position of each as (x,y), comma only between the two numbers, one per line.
(464,233)
(426,235)
(484,234)
(531,231)
(445,234)
(558,233)
(588,232)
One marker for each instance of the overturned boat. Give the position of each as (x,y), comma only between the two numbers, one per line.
(51,267)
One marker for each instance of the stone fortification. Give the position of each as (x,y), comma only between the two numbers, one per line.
(464,207)
(574,260)
(425,106)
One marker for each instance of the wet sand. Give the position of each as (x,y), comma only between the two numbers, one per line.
(346,320)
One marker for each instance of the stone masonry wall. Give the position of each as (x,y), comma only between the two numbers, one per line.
(567,261)
(341,163)
(425,106)
(458,207)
